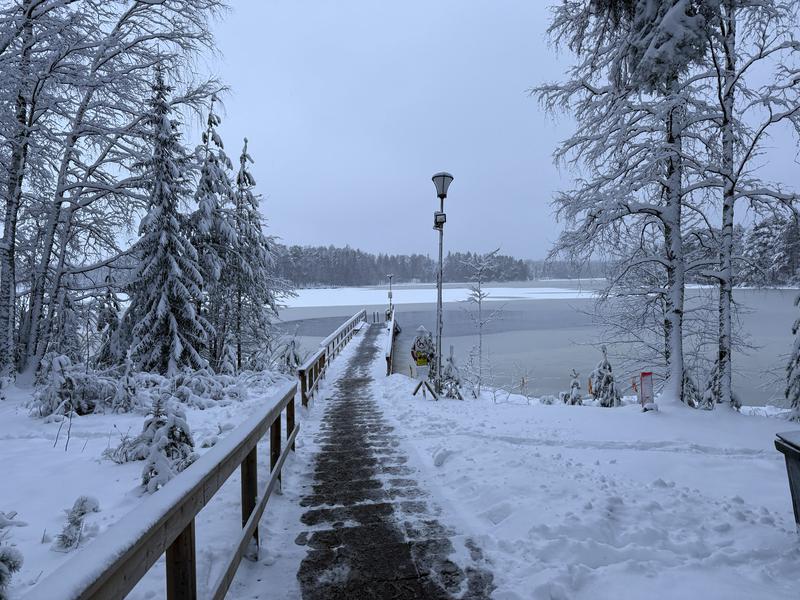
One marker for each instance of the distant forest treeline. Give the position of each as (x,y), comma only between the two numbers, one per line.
(307,266)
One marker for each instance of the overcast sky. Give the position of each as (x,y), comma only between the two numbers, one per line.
(351,105)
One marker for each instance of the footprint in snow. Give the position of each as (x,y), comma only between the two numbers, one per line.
(440,456)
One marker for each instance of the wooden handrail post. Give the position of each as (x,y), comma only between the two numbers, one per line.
(303,387)
(249,472)
(182,567)
(275,444)
(290,420)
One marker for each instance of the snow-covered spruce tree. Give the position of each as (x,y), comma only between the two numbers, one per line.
(170,447)
(635,105)
(10,563)
(752,41)
(213,233)
(72,533)
(165,443)
(68,327)
(573,397)
(451,378)
(169,334)
(771,254)
(792,392)
(603,386)
(108,321)
(250,276)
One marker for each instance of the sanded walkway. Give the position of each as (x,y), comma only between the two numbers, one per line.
(371,531)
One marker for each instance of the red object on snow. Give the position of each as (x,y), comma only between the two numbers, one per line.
(646,388)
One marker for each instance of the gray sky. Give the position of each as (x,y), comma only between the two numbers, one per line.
(351,105)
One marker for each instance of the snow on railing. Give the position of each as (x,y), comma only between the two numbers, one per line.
(312,371)
(112,564)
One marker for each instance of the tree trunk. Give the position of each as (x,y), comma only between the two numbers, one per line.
(676,276)
(723,383)
(28,364)
(16,175)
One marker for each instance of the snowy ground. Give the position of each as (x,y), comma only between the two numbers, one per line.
(42,478)
(589,503)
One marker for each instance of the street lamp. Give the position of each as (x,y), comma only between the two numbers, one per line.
(390,275)
(442,182)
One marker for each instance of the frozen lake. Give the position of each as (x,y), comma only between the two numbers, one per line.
(543,330)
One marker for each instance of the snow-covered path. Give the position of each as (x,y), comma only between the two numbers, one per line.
(584,502)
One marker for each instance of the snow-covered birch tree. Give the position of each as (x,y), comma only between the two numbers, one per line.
(751,41)
(635,102)
(479,266)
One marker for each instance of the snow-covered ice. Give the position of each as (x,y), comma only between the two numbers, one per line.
(313,297)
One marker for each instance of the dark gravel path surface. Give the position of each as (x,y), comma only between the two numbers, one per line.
(371,531)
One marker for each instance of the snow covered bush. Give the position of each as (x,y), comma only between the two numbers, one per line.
(79,390)
(73,531)
(285,356)
(165,443)
(548,400)
(10,563)
(451,379)
(692,395)
(171,449)
(573,397)
(602,386)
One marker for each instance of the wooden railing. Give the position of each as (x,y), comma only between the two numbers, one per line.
(310,374)
(393,330)
(334,343)
(112,564)
(313,370)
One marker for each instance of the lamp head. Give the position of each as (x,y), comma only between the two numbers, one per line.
(442,181)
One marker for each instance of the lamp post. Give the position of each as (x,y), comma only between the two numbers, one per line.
(442,181)
(390,275)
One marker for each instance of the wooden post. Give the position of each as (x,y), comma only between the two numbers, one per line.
(249,470)
(181,566)
(322,364)
(290,420)
(303,387)
(275,444)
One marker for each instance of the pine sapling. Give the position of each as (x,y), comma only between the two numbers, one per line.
(71,535)
(573,397)
(172,448)
(603,386)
